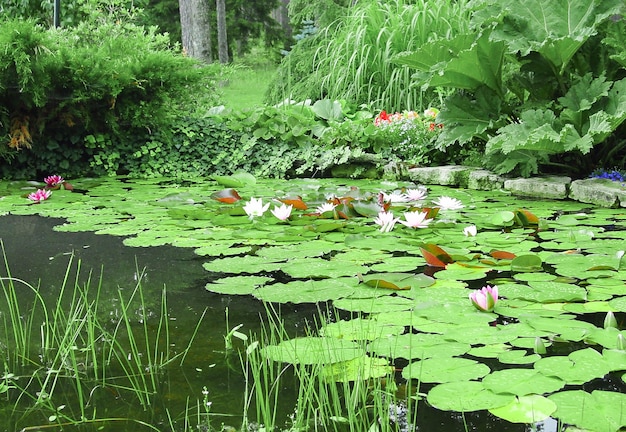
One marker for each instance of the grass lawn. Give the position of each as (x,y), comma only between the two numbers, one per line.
(246,87)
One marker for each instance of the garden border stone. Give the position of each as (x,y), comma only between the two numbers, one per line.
(600,192)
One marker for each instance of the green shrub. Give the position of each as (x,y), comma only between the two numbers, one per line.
(59,87)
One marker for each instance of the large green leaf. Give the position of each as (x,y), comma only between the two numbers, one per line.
(556,29)
(599,411)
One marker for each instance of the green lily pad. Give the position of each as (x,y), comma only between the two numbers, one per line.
(444,370)
(577,368)
(357,369)
(466,396)
(599,411)
(237,285)
(313,350)
(420,346)
(526,409)
(521,382)
(361,329)
(306,291)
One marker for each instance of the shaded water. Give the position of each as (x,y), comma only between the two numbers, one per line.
(40,256)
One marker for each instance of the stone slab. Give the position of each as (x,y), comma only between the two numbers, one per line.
(481,179)
(600,192)
(539,187)
(448,175)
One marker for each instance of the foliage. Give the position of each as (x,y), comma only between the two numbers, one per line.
(60,86)
(545,338)
(532,95)
(352,59)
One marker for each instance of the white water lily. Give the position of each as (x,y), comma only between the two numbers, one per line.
(448,203)
(395,197)
(416,219)
(416,194)
(386,220)
(470,231)
(283,212)
(255,208)
(326,207)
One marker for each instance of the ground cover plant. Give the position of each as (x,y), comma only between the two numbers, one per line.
(401,264)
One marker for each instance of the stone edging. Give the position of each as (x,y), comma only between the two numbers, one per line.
(604,193)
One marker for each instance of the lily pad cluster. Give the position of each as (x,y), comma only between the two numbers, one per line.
(558,266)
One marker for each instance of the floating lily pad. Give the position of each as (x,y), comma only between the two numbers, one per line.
(420,346)
(306,291)
(444,370)
(600,411)
(313,350)
(466,396)
(357,369)
(526,409)
(361,329)
(522,382)
(577,368)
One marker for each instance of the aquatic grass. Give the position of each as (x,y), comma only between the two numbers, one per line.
(58,357)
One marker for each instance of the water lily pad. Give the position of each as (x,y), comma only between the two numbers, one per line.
(466,396)
(577,368)
(237,285)
(313,350)
(599,411)
(316,268)
(421,346)
(357,369)
(526,409)
(445,369)
(375,305)
(521,382)
(306,291)
(361,329)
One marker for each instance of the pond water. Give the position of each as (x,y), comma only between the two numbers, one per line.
(223,263)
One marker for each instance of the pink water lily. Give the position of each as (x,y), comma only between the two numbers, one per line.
(283,212)
(39,195)
(54,180)
(448,203)
(485,298)
(255,207)
(416,219)
(386,220)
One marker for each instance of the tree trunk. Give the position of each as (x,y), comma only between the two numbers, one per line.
(196,29)
(222,37)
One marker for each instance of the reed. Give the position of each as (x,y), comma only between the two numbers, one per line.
(59,355)
(321,403)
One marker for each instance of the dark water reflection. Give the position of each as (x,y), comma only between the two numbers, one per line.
(40,256)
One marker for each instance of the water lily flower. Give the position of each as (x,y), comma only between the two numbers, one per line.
(416,219)
(485,299)
(395,197)
(255,207)
(416,194)
(283,212)
(39,195)
(386,220)
(448,203)
(326,207)
(470,231)
(54,180)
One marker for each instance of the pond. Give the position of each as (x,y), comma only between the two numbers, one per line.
(389,305)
